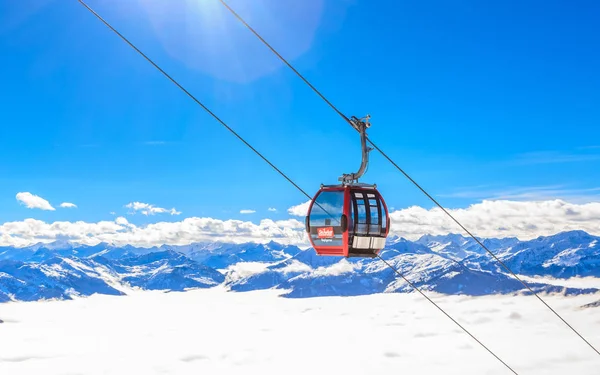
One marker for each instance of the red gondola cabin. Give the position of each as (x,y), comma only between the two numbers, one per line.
(348,220)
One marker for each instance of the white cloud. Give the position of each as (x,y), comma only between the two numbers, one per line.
(121,221)
(68,205)
(121,232)
(524,220)
(242,270)
(295,266)
(150,209)
(34,201)
(337,269)
(272,209)
(500,218)
(299,210)
(247,212)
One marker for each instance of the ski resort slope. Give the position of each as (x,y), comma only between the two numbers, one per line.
(219,332)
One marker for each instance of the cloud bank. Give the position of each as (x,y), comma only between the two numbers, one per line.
(525,220)
(122,232)
(154,330)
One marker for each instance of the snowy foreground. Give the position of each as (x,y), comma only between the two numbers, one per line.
(212,331)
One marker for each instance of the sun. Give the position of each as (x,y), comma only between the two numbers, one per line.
(205,37)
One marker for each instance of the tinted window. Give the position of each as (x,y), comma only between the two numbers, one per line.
(329,206)
(326,213)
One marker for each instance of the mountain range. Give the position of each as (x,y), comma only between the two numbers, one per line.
(449,264)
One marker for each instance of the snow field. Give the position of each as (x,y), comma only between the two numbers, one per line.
(218,332)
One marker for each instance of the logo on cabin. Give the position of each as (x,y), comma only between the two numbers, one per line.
(325,232)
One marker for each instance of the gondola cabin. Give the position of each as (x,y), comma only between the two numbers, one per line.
(348,220)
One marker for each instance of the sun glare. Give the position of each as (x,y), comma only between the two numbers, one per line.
(206,37)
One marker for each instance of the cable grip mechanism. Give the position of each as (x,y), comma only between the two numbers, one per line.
(360,125)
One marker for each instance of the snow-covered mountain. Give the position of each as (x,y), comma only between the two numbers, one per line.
(451,264)
(63,276)
(568,254)
(52,278)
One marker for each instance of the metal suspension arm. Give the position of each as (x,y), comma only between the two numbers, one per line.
(361,126)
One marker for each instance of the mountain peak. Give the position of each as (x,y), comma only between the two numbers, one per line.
(60,244)
(575,234)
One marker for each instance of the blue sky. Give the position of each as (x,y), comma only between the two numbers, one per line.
(475,100)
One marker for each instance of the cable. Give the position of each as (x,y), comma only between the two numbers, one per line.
(259,154)
(406,174)
(445,313)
